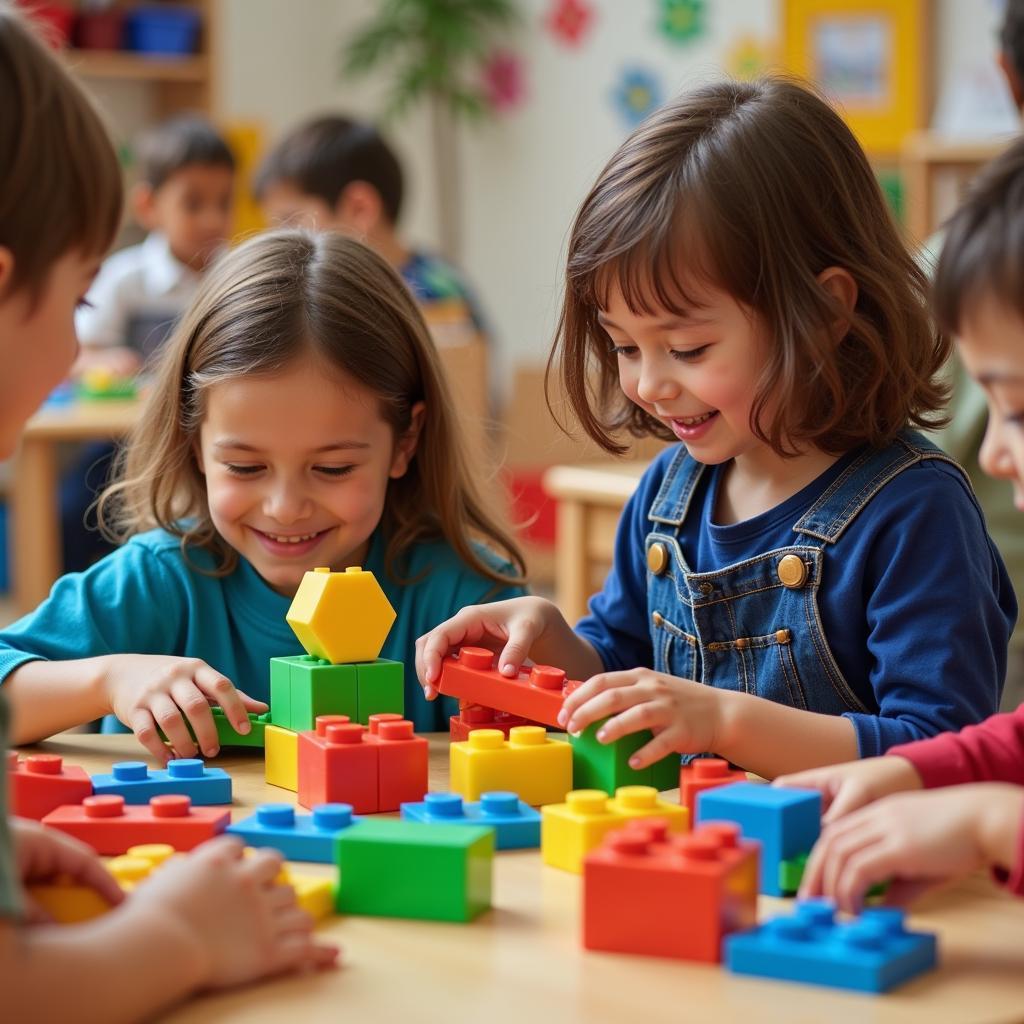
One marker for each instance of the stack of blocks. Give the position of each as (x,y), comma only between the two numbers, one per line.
(702,774)
(570,830)
(475,716)
(342,620)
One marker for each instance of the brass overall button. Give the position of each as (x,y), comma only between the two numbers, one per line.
(657,558)
(657,618)
(792,571)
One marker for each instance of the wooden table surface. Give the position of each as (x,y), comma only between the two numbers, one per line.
(523,960)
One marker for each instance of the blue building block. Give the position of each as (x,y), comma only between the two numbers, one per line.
(516,825)
(787,822)
(872,953)
(309,837)
(137,783)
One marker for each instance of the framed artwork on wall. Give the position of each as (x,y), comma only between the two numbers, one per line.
(872,57)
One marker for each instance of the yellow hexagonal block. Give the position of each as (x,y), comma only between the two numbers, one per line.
(341,617)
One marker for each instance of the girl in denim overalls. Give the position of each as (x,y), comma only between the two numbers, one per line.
(805,578)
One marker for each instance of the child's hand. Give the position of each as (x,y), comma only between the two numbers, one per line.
(237,922)
(915,840)
(43,854)
(147,691)
(510,627)
(683,715)
(846,787)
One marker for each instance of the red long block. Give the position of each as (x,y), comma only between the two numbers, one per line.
(402,768)
(475,716)
(705,773)
(536,695)
(338,765)
(109,827)
(41,783)
(649,892)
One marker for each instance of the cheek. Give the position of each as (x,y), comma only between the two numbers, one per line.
(629,380)
(227,498)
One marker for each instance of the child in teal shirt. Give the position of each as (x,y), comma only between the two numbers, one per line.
(298,418)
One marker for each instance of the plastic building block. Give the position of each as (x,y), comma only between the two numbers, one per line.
(137,783)
(380,688)
(228,736)
(475,716)
(302,688)
(785,821)
(281,757)
(137,863)
(337,765)
(402,762)
(407,869)
(791,874)
(570,830)
(605,766)
(702,774)
(341,617)
(110,827)
(516,824)
(309,837)
(67,902)
(314,893)
(648,892)
(41,783)
(872,953)
(99,385)
(529,763)
(536,694)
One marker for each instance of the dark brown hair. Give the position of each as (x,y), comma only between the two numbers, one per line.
(278,297)
(322,156)
(60,183)
(755,188)
(177,143)
(983,249)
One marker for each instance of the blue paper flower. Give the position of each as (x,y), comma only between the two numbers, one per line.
(636,94)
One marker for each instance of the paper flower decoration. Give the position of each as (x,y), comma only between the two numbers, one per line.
(637,93)
(681,20)
(570,20)
(504,81)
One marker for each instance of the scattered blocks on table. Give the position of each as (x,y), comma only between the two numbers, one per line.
(314,893)
(41,783)
(871,953)
(703,774)
(68,902)
(281,757)
(303,688)
(137,863)
(341,617)
(138,784)
(529,763)
(309,837)
(605,766)
(110,827)
(475,716)
(516,824)
(407,869)
(536,694)
(570,830)
(785,821)
(648,892)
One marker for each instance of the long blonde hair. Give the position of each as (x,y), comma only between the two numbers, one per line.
(261,307)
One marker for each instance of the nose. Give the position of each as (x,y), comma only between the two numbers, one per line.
(286,503)
(995,457)
(656,383)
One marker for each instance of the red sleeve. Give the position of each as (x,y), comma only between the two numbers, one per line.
(990,752)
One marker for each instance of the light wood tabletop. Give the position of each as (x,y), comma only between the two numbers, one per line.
(523,960)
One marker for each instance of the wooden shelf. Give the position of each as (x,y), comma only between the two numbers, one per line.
(114,64)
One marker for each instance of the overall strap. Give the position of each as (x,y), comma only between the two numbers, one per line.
(672,501)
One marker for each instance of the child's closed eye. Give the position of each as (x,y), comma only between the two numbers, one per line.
(334,471)
(249,469)
(686,355)
(623,350)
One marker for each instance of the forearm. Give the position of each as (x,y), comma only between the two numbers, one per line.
(46,697)
(771,739)
(1001,826)
(124,966)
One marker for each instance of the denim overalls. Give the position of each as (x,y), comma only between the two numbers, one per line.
(755,626)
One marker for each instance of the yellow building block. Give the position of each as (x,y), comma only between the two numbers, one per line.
(569,831)
(281,757)
(314,893)
(529,763)
(341,617)
(67,902)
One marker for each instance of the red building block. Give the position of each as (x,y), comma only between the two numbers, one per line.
(475,716)
(536,694)
(705,773)
(338,764)
(110,827)
(650,892)
(402,764)
(41,783)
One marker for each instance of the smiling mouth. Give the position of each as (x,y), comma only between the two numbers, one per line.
(693,421)
(297,538)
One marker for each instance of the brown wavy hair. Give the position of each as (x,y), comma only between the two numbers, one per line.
(262,306)
(755,188)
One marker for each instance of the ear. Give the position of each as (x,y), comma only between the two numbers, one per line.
(842,288)
(6,268)
(1012,78)
(360,208)
(406,445)
(142,203)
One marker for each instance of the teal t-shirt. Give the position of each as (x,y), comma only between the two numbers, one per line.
(10,889)
(145,598)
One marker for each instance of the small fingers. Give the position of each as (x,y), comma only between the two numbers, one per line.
(168,717)
(143,725)
(196,710)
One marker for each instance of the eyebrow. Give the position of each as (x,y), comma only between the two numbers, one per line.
(337,446)
(999,378)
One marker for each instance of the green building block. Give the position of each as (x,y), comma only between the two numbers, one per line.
(380,687)
(227,735)
(605,766)
(391,868)
(791,874)
(281,689)
(301,688)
